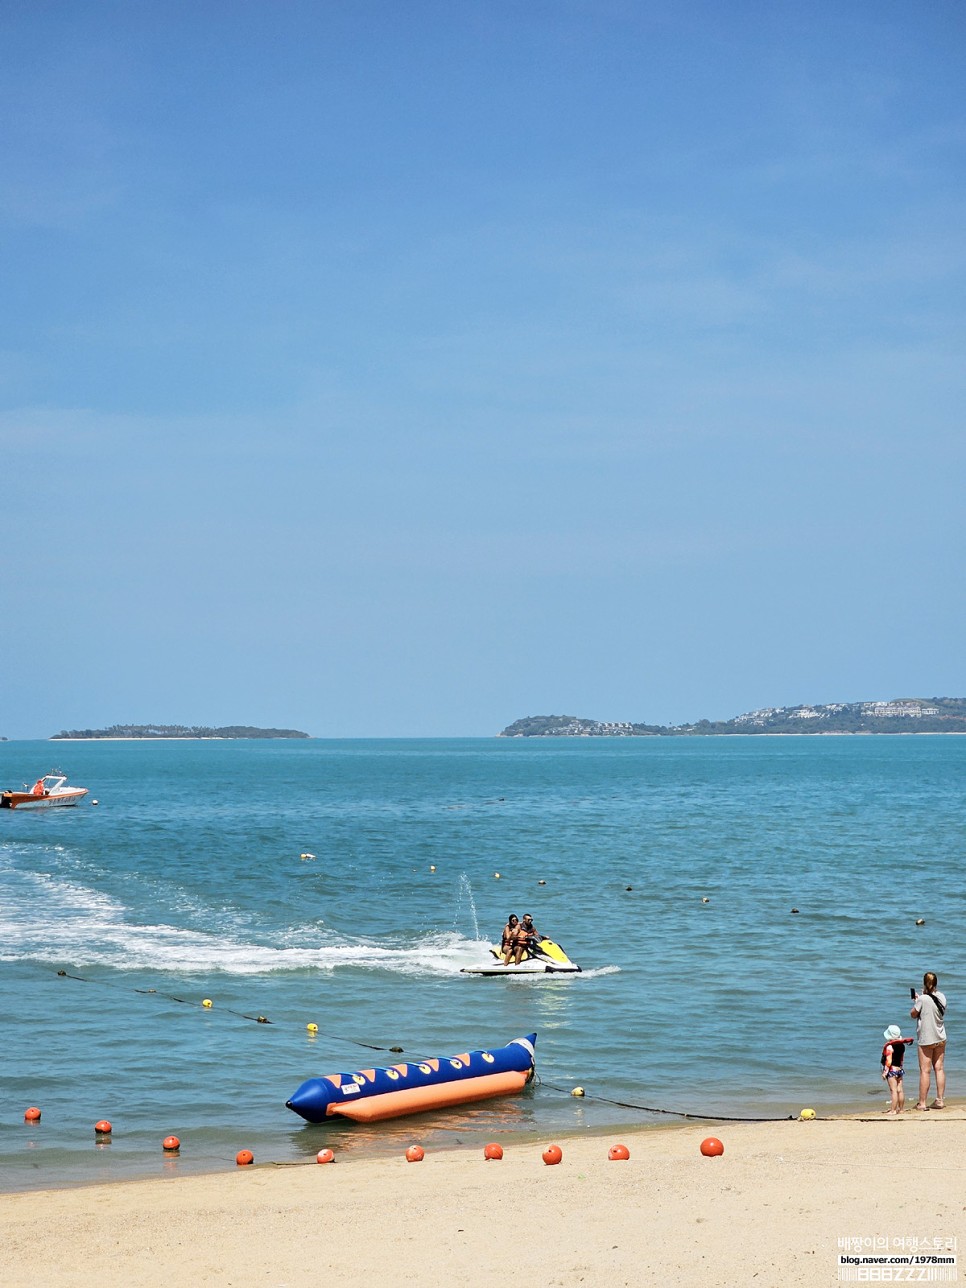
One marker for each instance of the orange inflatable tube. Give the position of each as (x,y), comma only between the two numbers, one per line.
(417,1100)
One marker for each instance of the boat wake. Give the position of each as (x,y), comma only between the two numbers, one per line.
(57,919)
(53,920)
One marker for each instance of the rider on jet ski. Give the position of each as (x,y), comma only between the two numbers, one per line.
(525,940)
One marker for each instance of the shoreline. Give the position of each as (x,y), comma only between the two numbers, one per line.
(745,733)
(831,733)
(782,1204)
(68,1162)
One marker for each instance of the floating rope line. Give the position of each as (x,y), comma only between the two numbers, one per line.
(257,1019)
(398,1050)
(676,1113)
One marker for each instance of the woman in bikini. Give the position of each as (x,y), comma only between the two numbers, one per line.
(929,1009)
(509,941)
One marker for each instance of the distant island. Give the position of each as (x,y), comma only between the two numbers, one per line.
(901,715)
(176,731)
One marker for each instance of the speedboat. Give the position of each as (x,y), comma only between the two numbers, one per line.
(545,958)
(50,790)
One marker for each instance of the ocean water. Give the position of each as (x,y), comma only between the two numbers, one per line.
(671,868)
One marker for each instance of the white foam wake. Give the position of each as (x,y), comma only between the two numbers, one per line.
(56,920)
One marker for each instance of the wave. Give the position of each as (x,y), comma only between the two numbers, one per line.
(45,918)
(56,918)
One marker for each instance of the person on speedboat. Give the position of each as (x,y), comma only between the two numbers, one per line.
(508,942)
(527,938)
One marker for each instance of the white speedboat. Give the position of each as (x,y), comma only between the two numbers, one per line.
(547,958)
(46,792)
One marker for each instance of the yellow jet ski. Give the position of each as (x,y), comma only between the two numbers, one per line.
(546,958)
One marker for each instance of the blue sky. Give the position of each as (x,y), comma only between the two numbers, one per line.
(387,369)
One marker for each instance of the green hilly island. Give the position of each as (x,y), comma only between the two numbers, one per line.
(900,715)
(176,731)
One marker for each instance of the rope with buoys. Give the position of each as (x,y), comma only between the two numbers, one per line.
(186,1001)
(676,1113)
(257,1019)
(398,1050)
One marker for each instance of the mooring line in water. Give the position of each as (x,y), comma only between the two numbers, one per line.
(676,1113)
(398,1050)
(207,1005)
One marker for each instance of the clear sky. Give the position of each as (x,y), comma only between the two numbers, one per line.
(404,367)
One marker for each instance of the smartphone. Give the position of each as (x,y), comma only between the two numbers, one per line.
(912,993)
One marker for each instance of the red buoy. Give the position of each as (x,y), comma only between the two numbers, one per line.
(171,1144)
(415,1154)
(32,1115)
(712,1147)
(552,1155)
(618,1153)
(325,1156)
(493,1150)
(102,1128)
(244,1157)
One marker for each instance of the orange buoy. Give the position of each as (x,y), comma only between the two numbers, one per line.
(552,1155)
(244,1157)
(493,1150)
(102,1128)
(32,1115)
(618,1153)
(415,1154)
(325,1156)
(712,1147)
(171,1144)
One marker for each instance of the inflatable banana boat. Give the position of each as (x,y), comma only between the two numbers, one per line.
(374,1094)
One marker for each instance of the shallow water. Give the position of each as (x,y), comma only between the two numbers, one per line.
(701,991)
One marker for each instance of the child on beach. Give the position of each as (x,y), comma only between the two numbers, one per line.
(893,1054)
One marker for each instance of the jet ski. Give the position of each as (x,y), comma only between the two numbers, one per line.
(546,958)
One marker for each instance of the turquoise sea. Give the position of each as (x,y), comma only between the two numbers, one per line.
(671,868)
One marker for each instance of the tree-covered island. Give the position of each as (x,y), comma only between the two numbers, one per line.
(176,731)
(901,715)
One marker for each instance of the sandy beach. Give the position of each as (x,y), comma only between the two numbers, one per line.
(782,1204)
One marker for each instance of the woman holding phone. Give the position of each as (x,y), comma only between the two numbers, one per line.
(929,1009)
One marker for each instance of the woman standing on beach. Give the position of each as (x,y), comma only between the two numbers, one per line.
(929,1009)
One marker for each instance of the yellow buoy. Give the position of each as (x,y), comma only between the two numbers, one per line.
(496,876)
(207,1002)
(578,1091)
(312,1028)
(806,1115)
